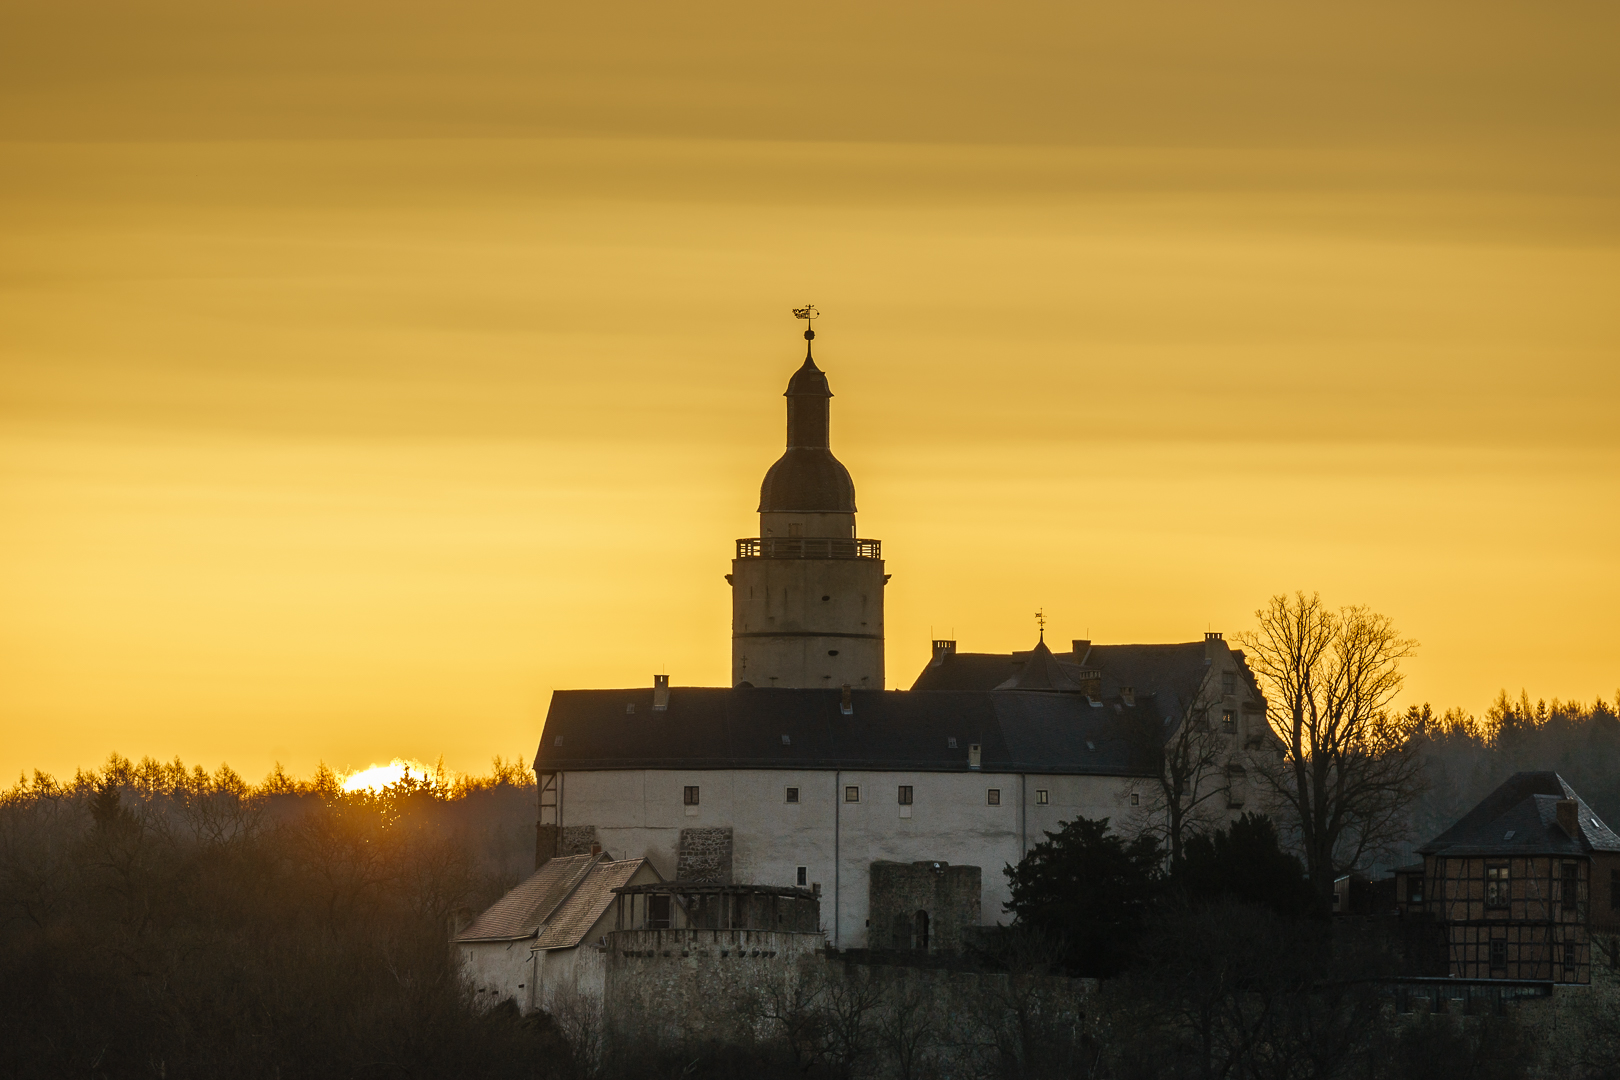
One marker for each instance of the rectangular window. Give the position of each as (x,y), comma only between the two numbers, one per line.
(1414,889)
(803,876)
(793,794)
(905,794)
(1228,682)
(1496,886)
(658,912)
(1041,797)
(950,743)
(1228,721)
(1569,892)
(1498,954)
(993,796)
(1136,799)
(852,794)
(691,795)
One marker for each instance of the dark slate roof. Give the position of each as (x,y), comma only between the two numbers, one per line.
(807,480)
(1041,671)
(1526,806)
(722,727)
(1170,673)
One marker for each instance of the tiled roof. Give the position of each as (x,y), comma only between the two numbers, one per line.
(759,728)
(1171,673)
(1521,818)
(588,903)
(520,912)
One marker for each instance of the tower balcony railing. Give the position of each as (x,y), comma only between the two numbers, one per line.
(808,547)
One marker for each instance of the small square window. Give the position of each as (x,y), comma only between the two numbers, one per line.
(1228,720)
(786,741)
(803,876)
(950,743)
(793,794)
(630,708)
(993,796)
(905,794)
(1496,886)
(1136,800)
(1041,797)
(557,741)
(852,794)
(691,795)
(1499,954)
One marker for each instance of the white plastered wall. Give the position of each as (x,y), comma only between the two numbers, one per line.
(639,813)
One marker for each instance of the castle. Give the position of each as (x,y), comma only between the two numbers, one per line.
(896,809)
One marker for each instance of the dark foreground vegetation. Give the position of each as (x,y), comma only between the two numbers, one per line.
(163,922)
(158,921)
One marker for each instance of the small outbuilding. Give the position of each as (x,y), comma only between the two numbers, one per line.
(544,937)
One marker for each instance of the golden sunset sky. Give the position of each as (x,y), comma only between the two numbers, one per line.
(369,370)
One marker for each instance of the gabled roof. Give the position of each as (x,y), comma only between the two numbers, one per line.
(574,918)
(520,912)
(1170,674)
(1521,818)
(558,904)
(1041,671)
(759,728)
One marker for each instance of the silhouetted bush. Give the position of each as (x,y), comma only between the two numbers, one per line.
(1246,863)
(1089,892)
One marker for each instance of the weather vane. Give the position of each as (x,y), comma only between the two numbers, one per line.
(809,314)
(1040,621)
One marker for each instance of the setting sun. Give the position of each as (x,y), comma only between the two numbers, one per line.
(378,777)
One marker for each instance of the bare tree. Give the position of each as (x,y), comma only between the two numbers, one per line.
(1189,765)
(1349,771)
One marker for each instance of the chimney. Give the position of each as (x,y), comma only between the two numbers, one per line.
(596,849)
(1212,644)
(1128,693)
(1569,817)
(1082,649)
(943,650)
(660,693)
(973,755)
(845,705)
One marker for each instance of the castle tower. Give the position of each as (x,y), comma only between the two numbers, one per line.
(806,594)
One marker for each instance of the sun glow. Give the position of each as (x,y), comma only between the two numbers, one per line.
(378,777)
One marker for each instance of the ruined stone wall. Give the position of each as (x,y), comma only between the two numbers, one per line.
(898,891)
(576,840)
(678,990)
(705,855)
(666,986)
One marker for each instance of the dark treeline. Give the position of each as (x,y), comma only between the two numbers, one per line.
(1465,758)
(165,922)
(159,921)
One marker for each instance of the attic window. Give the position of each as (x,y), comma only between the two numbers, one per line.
(1090,745)
(630,708)
(792,794)
(1509,834)
(557,741)
(786,741)
(950,743)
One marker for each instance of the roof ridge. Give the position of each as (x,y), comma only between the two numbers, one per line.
(595,860)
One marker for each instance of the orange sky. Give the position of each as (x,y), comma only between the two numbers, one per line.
(369,370)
